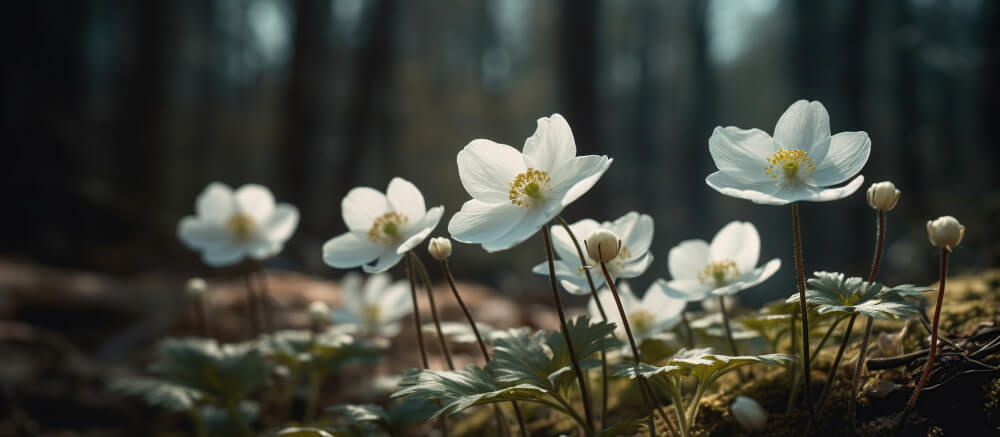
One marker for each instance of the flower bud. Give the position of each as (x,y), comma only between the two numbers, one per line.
(195,288)
(602,245)
(318,311)
(440,248)
(883,196)
(748,413)
(945,232)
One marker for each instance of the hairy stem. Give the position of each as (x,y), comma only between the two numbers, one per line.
(434,314)
(581,379)
(829,333)
(859,367)
(416,313)
(803,309)
(836,362)
(687,329)
(729,334)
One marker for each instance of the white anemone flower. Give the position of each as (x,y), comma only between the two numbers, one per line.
(381,227)
(515,194)
(723,268)
(800,163)
(648,317)
(636,233)
(229,226)
(376,308)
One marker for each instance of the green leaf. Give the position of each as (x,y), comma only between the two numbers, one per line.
(626,427)
(328,351)
(309,432)
(461,389)
(159,393)
(834,293)
(226,373)
(360,413)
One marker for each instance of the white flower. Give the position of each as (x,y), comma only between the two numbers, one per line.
(799,163)
(318,311)
(883,196)
(749,414)
(652,315)
(515,194)
(945,232)
(377,307)
(196,287)
(381,227)
(636,233)
(230,226)
(727,266)
(439,248)
(602,245)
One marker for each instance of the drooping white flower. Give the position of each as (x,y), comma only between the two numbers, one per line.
(375,308)
(195,288)
(636,233)
(318,311)
(514,194)
(602,245)
(725,267)
(232,225)
(945,232)
(882,196)
(648,317)
(800,163)
(439,248)
(381,227)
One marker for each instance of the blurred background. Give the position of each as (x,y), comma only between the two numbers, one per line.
(116,114)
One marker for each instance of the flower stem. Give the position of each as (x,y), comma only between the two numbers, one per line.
(804,311)
(600,309)
(312,396)
(252,316)
(434,314)
(687,329)
(562,320)
(446,270)
(416,313)
(729,334)
(836,362)
(793,393)
(859,367)
(631,341)
(829,332)
(266,310)
(934,336)
(199,316)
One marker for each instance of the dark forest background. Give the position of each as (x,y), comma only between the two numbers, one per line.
(115,114)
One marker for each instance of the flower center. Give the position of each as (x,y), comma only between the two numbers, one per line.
(641,321)
(719,273)
(792,164)
(529,187)
(387,228)
(241,227)
(372,315)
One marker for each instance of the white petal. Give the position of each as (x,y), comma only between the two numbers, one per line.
(687,289)
(660,304)
(345,317)
(199,234)
(630,302)
(215,203)
(804,126)
(350,290)
(562,243)
(361,206)
(742,153)
(687,259)
(282,223)
(751,279)
(575,288)
(384,262)
(763,193)
(222,256)
(636,267)
(575,179)
(610,308)
(405,198)
(551,146)
(486,168)
(636,232)
(848,154)
(478,221)
(816,194)
(529,225)
(255,201)
(396,301)
(350,249)
(423,229)
(375,286)
(738,242)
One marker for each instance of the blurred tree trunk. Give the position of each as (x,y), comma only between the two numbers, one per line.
(579,78)
(701,121)
(906,98)
(307,110)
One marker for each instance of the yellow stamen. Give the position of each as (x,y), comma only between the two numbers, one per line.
(241,227)
(719,273)
(372,315)
(789,162)
(529,186)
(386,229)
(641,321)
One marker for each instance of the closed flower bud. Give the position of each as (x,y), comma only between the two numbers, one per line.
(602,245)
(318,311)
(440,248)
(195,288)
(749,414)
(883,196)
(945,232)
